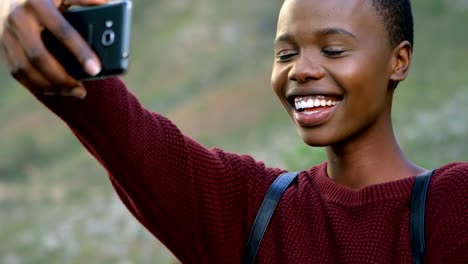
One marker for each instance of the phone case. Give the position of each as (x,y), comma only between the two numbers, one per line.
(106,28)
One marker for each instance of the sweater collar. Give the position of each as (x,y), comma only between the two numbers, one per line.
(331,191)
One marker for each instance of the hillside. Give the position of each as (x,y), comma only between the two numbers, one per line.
(206,65)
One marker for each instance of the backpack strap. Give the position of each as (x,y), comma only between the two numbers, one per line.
(276,190)
(418,205)
(263,217)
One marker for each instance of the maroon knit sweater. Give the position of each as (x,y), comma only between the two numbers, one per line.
(201,202)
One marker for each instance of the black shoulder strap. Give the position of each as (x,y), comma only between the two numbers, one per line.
(276,190)
(418,205)
(263,217)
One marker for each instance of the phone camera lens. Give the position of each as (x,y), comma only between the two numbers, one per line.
(108,37)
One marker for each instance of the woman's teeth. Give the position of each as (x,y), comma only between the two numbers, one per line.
(302,103)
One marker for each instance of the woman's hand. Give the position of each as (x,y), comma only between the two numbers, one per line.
(27,58)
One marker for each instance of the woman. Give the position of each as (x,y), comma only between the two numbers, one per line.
(336,68)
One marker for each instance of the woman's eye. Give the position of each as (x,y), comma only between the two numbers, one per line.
(333,52)
(285,56)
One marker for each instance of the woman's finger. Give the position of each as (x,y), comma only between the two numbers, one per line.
(51,18)
(25,73)
(84,2)
(8,61)
(27,31)
(65,4)
(19,66)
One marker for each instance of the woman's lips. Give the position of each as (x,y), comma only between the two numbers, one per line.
(314,110)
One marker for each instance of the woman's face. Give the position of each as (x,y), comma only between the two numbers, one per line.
(332,69)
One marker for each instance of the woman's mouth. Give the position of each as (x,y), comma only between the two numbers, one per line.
(314,110)
(310,102)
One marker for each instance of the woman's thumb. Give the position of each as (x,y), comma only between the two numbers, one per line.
(84,2)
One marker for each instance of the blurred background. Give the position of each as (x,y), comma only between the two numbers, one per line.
(205,64)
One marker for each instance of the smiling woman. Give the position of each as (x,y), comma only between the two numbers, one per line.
(342,54)
(336,68)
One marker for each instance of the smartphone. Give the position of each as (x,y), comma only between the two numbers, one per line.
(106,28)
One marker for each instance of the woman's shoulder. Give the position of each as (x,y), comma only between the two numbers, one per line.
(449,182)
(452,174)
(447,193)
(447,209)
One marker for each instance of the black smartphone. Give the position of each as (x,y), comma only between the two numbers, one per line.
(106,28)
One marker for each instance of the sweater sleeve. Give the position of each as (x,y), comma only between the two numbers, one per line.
(199,202)
(447,211)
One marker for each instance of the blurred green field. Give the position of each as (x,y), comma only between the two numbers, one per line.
(206,65)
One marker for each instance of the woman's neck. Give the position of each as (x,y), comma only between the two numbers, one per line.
(369,159)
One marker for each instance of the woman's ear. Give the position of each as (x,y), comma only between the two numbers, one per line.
(401,61)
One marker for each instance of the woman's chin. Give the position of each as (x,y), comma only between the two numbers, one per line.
(315,140)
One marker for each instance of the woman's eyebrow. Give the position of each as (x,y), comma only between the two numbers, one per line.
(335,31)
(286,37)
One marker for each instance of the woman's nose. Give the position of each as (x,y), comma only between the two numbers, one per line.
(306,69)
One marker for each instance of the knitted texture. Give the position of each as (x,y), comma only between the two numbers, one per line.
(201,202)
